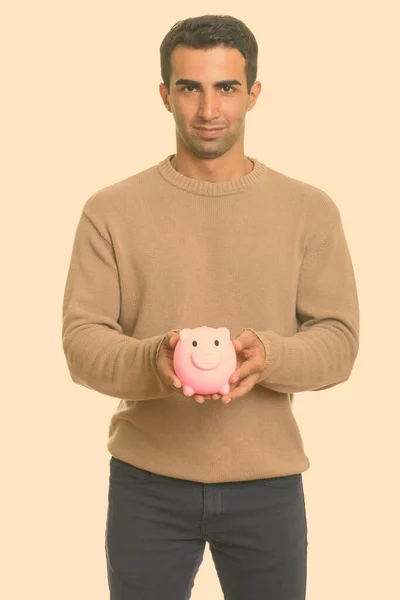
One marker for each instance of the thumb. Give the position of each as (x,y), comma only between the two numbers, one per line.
(173,340)
(237,344)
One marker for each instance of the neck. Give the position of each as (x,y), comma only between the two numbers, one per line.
(206,170)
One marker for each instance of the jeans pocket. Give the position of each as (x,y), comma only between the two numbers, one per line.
(123,472)
(284,481)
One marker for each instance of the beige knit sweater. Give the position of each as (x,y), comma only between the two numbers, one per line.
(160,251)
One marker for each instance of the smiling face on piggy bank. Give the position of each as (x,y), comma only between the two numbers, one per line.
(204,359)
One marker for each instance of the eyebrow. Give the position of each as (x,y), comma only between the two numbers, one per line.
(216,84)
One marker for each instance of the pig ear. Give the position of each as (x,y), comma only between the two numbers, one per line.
(224,332)
(184,333)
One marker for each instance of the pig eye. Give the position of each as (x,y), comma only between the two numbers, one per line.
(194,343)
(216,342)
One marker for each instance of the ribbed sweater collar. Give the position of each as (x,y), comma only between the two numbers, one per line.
(209,188)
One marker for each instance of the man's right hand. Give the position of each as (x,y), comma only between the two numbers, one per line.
(165,365)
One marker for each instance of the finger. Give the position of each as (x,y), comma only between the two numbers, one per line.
(250,367)
(237,345)
(199,399)
(243,387)
(234,378)
(173,340)
(202,399)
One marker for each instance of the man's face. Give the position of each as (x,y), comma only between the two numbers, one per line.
(208,103)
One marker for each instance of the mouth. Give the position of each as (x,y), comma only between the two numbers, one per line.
(206,132)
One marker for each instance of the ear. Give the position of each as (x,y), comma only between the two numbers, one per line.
(184,334)
(224,332)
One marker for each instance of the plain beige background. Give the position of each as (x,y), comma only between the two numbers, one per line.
(81,110)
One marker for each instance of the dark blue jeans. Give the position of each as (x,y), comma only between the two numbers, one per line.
(157,528)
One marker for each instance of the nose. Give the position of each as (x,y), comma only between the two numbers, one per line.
(209,106)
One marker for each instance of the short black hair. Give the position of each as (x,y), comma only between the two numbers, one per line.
(209,31)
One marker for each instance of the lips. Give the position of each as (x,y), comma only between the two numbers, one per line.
(206,132)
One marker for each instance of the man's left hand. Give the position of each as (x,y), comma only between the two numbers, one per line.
(251,364)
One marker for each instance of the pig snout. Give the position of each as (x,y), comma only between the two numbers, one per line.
(206,360)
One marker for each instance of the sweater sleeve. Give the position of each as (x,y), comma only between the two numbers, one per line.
(323,351)
(99,356)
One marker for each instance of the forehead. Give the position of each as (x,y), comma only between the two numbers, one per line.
(193,62)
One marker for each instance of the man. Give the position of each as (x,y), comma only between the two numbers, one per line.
(209,236)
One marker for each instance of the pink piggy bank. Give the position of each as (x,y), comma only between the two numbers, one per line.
(204,359)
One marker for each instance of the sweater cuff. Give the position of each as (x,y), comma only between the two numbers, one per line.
(273,345)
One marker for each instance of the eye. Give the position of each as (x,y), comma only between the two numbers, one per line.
(223,87)
(216,342)
(194,343)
